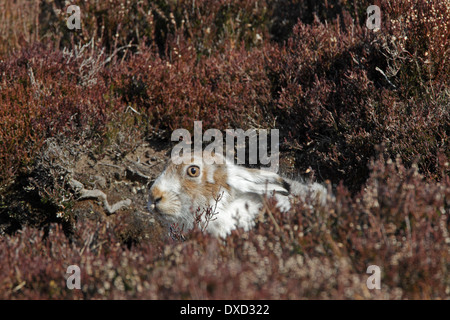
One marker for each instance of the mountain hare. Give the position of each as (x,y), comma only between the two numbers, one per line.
(233,192)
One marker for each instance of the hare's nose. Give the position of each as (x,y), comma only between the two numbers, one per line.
(151,205)
(153,201)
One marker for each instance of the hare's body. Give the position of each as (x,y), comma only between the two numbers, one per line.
(233,194)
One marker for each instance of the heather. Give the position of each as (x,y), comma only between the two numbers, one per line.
(364,111)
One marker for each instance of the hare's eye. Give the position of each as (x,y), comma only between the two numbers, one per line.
(193,171)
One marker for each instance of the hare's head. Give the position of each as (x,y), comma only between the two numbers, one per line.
(185,187)
(198,183)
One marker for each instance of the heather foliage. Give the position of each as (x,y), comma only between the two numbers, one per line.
(367,110)
(401,225)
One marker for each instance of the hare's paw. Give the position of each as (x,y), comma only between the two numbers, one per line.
(283,202)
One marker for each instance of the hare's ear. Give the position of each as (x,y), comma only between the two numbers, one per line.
(256,181)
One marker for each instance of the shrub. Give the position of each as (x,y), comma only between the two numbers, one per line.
(330,90)
(401,226)
(365,109)
(45,92)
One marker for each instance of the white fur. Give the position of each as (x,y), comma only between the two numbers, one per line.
(237,208)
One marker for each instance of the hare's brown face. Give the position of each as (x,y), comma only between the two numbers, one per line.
(182,188)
